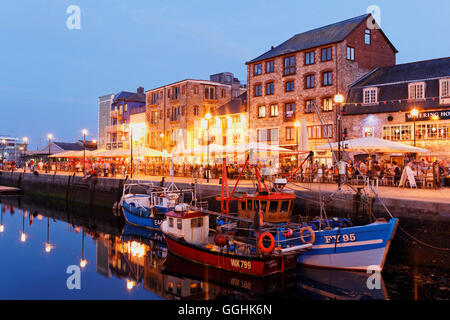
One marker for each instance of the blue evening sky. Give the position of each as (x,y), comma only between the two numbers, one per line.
(51,76)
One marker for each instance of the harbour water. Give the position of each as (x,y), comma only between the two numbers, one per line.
(40,240)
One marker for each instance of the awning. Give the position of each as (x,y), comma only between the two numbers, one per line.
(371,145)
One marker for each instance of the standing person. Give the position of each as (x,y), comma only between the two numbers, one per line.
(113,169)
(436,175)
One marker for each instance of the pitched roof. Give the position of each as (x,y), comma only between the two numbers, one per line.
(234,106)
(332,33)
(68,146)
(407,72)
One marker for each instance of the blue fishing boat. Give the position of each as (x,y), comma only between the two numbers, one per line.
(145,205)
(349,248)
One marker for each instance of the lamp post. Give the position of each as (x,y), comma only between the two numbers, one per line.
(50,138)
(414,114)
(207,117)
(25,144)
(297,138)
(131,151)
(162,141)
(339,99)
(85,132)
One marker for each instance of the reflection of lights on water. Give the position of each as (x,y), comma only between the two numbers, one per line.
(83,263)
(48,247)
(136,249)
(130,284)
(23,237)
(2,228)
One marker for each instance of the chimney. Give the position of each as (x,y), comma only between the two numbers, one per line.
(140,90)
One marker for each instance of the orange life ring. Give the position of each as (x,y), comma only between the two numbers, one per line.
(311,231)
(261,242)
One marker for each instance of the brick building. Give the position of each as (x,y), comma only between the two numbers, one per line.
(310,69)
(380,105)
(174,112)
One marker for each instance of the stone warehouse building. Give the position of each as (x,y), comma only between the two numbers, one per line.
(174,112)
(380,104)
(286,82)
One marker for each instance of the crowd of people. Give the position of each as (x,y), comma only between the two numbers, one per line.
(383,171)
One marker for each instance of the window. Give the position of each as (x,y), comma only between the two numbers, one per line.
(309,58)
(170,222)
(175,93)
(367,37)
(309,81)
(310,106)
(196,111)
(269,66)
(284,206)
(269,88)
(367,132)
(183,90)
(179,224)
(267,135)
(327,79)
(262,112)
(327,104)
(289,65)
(350,53)
(249,204)
(224,94)
(290,133)
(154,117)
(258,90)
(289,86)
(195,89)
(154,99)
(175,114)
(289,110)
(317,132)
(274,110)
(273,207)
(125,109)
(416,91)
(197,223)
(210,93)
(257,69)
(397,132)
(236,138)
(445,88)
(370,96)
(326,54)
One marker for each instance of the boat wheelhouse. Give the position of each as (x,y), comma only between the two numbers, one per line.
(276,207)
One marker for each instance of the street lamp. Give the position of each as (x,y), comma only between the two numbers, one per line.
(297,138)
(414,114)
(50,138)
(208,117)
(25,144)
(339,99)
(85,132)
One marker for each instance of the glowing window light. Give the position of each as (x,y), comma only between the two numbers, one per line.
(137,249)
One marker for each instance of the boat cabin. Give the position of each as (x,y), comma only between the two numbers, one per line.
(276,206)
(165,201)
(192,226)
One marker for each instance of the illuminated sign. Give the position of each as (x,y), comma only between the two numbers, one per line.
(430,115)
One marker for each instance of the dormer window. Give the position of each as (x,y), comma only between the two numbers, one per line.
(416,91)
(370,96)
(444,92)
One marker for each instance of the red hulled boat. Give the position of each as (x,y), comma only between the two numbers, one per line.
(188,236)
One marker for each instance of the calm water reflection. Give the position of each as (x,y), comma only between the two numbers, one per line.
(38,241)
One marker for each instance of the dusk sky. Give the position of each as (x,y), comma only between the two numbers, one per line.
(51,76)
